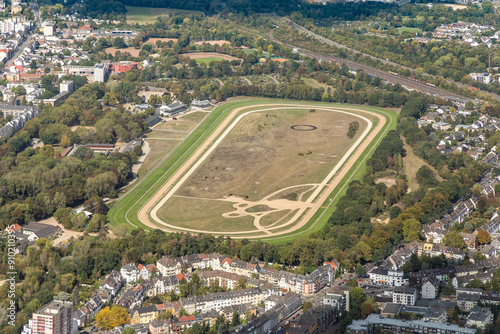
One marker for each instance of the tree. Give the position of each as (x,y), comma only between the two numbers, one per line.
(306,306)
(235,321)
(241,283)
(65,141)
(270,49)
(411,229)
(129,330)
(483,237)
(110,318)
(454,239)
(426,178)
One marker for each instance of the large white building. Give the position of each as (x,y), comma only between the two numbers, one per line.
(384,276)
(404,295)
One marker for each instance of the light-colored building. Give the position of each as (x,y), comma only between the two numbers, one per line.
(404,295)
(101,72)
(435,315)
(479,317)
(384,276)
(130,272)
(49,28)
(430,287)
(54,318)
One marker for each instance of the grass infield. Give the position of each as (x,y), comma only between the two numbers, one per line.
(126,208)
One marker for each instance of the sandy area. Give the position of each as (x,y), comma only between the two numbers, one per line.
(165,40)
(73,128)
(455,7)
(133,51)
(67,234)
(220,42)
(200,55)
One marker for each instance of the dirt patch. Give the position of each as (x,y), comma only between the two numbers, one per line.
(201,55)
(74,128)
(219,42)
(388,181)
(133,51)
(164,40)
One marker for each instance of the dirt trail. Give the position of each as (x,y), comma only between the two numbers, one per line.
(309,207)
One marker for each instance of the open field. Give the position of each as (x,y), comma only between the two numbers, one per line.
(148,15)
(139,208)
(203,214)
(412,164)
(184,123)
(262,154)
(218,42)
(133,51)
(315,84)
(408,29)
(209,55)
(208,60)
(454,6)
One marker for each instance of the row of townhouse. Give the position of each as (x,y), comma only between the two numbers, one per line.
(145,315)
(288,304)
(178,325)
(303,284)
(469,298)
(131,298)
(400,256)
(107,290)
(162,285)
(217,301)
(222,302)
(444,274)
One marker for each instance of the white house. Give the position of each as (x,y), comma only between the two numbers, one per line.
(430,287)
(130,272)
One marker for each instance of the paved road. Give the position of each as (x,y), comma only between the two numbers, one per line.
(20,49)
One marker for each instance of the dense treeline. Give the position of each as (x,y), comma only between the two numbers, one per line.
(36,183)
(331,11)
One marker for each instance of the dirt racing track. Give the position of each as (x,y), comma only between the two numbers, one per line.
(296,213)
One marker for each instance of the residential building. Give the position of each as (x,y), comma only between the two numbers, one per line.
(430,287)
(54,318)
(479,317)
(314,321)
(384,276)
(485,78)
(435,315)
(367,326)
(470,240)
(404,295)
(101,72)
(49,28)
(130,272)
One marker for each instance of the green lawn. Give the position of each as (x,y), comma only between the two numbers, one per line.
(126,208)
(148,15)
(408,29)
(208,60)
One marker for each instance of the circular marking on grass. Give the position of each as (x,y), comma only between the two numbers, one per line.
(303,127)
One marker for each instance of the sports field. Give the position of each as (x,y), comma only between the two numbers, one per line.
(245,172)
